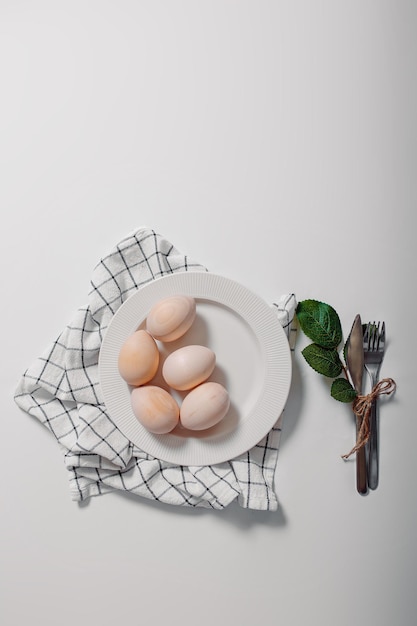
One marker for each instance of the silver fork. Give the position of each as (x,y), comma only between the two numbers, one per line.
(373,347)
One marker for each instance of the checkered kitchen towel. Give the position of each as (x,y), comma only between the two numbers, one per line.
(61,389)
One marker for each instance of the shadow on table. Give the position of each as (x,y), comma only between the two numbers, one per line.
(233,514)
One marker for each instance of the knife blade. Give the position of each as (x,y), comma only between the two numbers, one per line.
(355,363)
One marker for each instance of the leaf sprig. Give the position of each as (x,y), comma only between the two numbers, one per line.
(321,323)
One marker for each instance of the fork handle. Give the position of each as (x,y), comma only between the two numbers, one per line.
(361,473)
(373,447)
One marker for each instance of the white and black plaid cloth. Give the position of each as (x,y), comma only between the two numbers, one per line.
(61,389)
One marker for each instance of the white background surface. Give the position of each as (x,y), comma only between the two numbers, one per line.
(275,143)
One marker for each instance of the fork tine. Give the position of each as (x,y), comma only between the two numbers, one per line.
(374,335)
(381,338)
(366,337)
(376,340)
(377,336)
(371,335)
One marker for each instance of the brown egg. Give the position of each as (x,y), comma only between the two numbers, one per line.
(155,409)
(170,318)
(138,358)
(204,406)
(188,366)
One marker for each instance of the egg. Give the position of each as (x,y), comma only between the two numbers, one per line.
(204,406)
(138,358)
(188,366)
(170,318)
(155,409)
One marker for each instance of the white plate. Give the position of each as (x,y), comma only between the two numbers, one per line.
(252,361)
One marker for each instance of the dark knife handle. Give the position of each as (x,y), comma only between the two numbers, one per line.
(361,472)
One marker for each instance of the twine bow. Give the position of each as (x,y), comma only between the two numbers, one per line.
(362,409)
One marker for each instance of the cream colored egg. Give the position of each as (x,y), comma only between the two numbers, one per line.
(204,406)
(155,409)
(169,319)
(138,358)
(188,366)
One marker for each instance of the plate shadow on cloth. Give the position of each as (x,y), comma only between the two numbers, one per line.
(294,405)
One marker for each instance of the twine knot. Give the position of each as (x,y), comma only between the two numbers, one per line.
(362,409)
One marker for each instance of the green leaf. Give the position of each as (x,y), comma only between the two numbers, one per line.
(325,361)
(320,322)
(342,390)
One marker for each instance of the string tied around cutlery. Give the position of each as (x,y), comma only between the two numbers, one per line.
(362,409)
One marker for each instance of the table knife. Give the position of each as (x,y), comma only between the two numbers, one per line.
(355,363)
